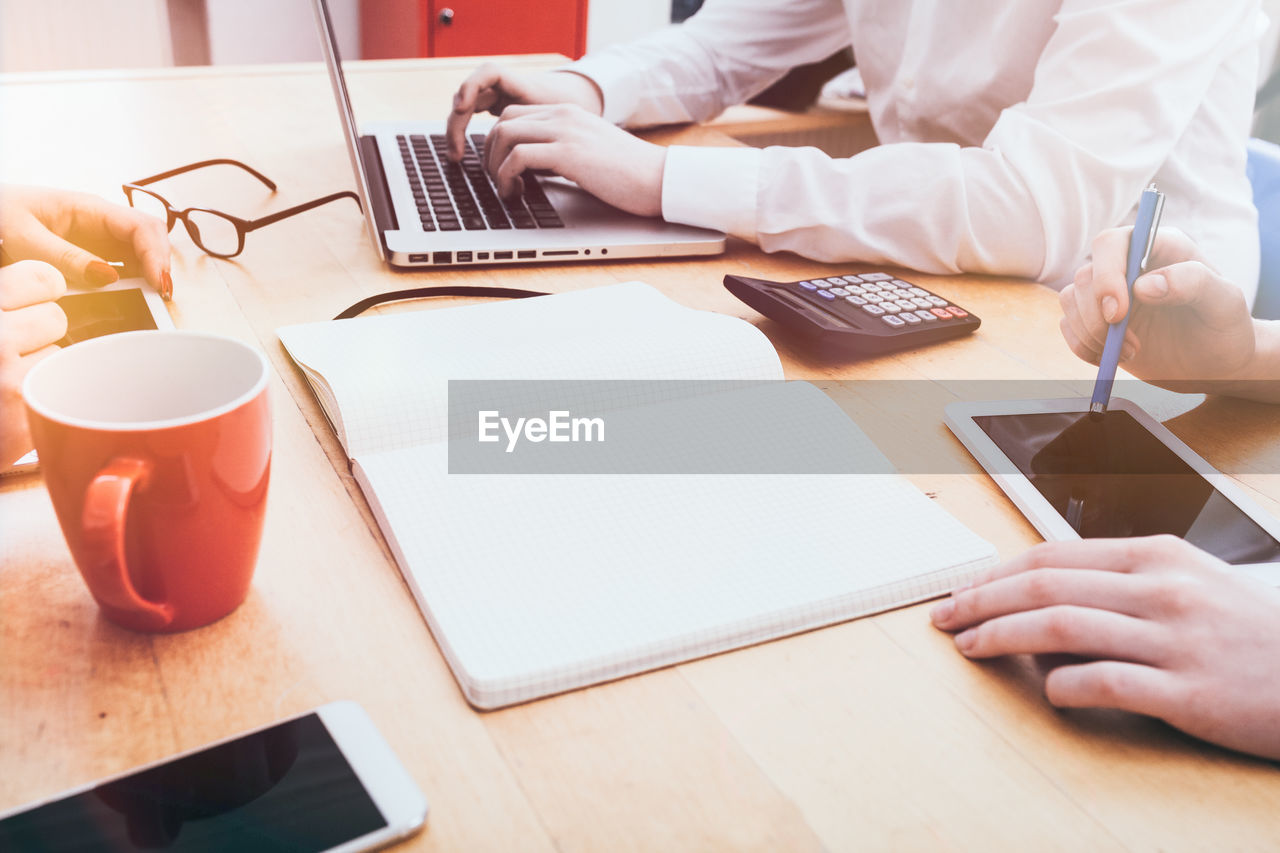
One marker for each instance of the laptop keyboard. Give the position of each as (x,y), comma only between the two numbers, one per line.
(455,196)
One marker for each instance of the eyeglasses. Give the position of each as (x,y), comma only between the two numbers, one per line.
(217,233)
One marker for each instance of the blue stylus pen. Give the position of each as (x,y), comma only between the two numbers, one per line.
(1144,236)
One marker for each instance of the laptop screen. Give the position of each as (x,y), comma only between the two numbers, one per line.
(329,47)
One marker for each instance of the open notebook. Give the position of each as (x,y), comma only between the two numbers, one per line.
(536,584)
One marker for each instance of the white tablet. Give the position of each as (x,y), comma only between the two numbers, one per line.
(1120,474)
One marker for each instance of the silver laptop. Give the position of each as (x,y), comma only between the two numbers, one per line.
(423,210)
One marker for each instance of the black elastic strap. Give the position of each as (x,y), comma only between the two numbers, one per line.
(424,292)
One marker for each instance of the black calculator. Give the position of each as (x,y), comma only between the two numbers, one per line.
(862,314)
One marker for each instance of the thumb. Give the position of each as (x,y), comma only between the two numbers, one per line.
(1193,285)
(80,267)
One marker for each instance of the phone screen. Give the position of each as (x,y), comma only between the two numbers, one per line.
(1108,476)
(284,788)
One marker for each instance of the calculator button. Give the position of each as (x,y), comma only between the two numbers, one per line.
(808,285)
(938,301)
(856,291)
(836,281)
(891,307)
(893,321)
(876,310)
(903,284)
(921,303)
(905,305)
(873,298)
(853,279)
(871,288)
(839,291)
(855,300)
(911,318)
(956,311)
(876,276)
(918,291)
(927,316)
(826,294)
(941,314)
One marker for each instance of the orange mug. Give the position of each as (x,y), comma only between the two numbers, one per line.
(156,450)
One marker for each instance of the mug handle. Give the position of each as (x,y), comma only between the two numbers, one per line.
(106,508)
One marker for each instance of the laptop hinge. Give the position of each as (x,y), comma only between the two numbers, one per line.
(380,195)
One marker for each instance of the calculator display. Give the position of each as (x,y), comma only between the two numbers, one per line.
(1108,476)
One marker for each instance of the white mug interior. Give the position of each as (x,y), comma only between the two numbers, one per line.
(145,380)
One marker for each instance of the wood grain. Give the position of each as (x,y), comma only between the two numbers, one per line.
(874,734)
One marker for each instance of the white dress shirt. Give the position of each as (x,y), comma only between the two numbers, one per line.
(1012,131)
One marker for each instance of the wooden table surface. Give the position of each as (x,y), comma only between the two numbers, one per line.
(873,734)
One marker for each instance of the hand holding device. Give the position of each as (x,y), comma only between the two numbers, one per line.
(1165,630)
(1194,332)
(492,88)
(31,324)
(78,233)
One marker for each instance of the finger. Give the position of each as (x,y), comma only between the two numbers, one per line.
(1103,590)
(1066,629)
(1110,290)
(529,155)
(35,327)
(515,128)
(145,236)
(1146,553)
(1219,303)
(78,266)
(476,93)
(29,283)
(1112,684)
(1089,322)
(1083,351)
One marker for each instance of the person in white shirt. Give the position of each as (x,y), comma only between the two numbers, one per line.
(1154,625)
(1011,132)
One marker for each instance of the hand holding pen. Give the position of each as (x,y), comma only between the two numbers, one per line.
(1141,242)
(1193,331)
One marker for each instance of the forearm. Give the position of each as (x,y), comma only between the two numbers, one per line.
(728,51)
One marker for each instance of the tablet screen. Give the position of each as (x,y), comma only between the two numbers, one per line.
(1108,476)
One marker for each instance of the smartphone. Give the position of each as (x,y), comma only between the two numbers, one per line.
(322,781)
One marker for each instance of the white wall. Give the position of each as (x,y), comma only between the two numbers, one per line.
(257,31)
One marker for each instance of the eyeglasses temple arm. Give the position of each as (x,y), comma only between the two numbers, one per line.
(178,171)
(284,214)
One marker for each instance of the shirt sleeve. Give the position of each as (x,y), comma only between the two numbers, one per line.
(1115,89)
(726,53)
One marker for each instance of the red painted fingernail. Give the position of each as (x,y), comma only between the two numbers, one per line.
(100,273)
(166,286)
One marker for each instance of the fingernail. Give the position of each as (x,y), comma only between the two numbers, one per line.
(100,273)
(1154,286)
(964,640)
(166,286)
(1109,308)
(943,612)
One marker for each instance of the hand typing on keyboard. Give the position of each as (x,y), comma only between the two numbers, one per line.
(492,88)
(552,121)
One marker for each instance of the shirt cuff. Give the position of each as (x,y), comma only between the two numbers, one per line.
(619,85)
(712,188)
